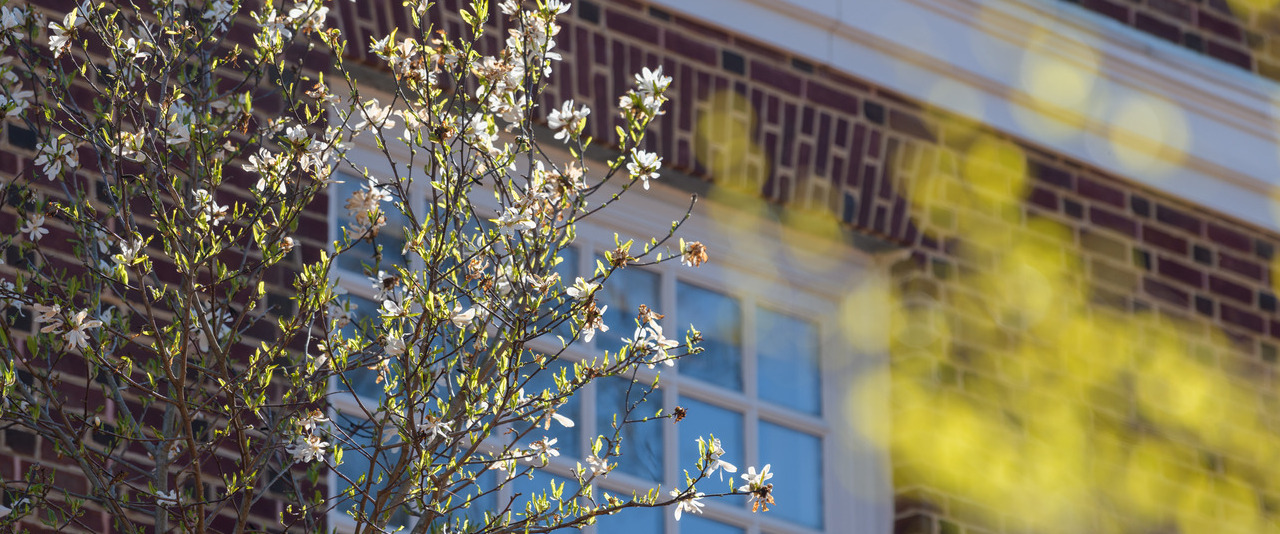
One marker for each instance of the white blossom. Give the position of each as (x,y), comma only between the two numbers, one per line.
(462,318)
(689,503)
(56,155)
(553,416)
(555,7)
(310,15)
(434,426)
(374,115)
(130,146)
(60,32)
(167,498)
(649,339)
(755,480)
(513,220)
(34,228)
(652,81)
(544,447)
(11,18)
(566,121)
(581,289)
(595,321)
(210,211)
(77,338)
(218,12)
(599,466)
(312,421)
(49,316)
(391,308)
(394,346)
(714,451)
(644,166)
(308,449)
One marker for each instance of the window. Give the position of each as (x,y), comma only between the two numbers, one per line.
(769,384)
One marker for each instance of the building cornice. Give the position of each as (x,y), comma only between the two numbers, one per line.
(1217,141)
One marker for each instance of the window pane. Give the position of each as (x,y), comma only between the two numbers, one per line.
(631,521)
(641,442)
(705,419)
(391,236)
(623,293)
(363,466)
(568,270)
(719,318)
(796,459)
(364,381)
(788,350)
(693,524)
(567,440)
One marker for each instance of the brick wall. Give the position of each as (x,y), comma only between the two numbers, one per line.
(825,142)
(1243,33)
(22,451)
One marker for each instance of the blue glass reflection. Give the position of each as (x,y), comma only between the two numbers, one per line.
(702,421)
(567,440)
(796,460)
(623,293)
(788,360)
(641,442)
(719,318)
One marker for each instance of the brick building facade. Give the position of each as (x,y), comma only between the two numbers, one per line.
(943,204)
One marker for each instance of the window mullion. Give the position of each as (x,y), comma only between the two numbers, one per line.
(751,426)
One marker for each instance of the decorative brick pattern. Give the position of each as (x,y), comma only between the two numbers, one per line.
(1244,34)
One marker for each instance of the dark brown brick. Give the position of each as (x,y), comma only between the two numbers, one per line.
(824,95)
(690,48)
(1044,198)
(1109,8)
(1112,220)
(1239,317)
(1178,218)
(1100,192)
(1157,27)
(1052,174)
(1229,238)
(1242,266)
(640,29)
(1178,9)
(1230,289)
(1181,272)
(1164,240)
(1229,54)
(1219,26)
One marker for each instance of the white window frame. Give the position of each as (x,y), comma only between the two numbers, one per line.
(798,274)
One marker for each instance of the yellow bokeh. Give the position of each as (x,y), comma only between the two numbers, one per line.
(1060,85)
(1012,390)
(1149,136)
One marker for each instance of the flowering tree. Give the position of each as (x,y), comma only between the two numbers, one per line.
(172,341)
